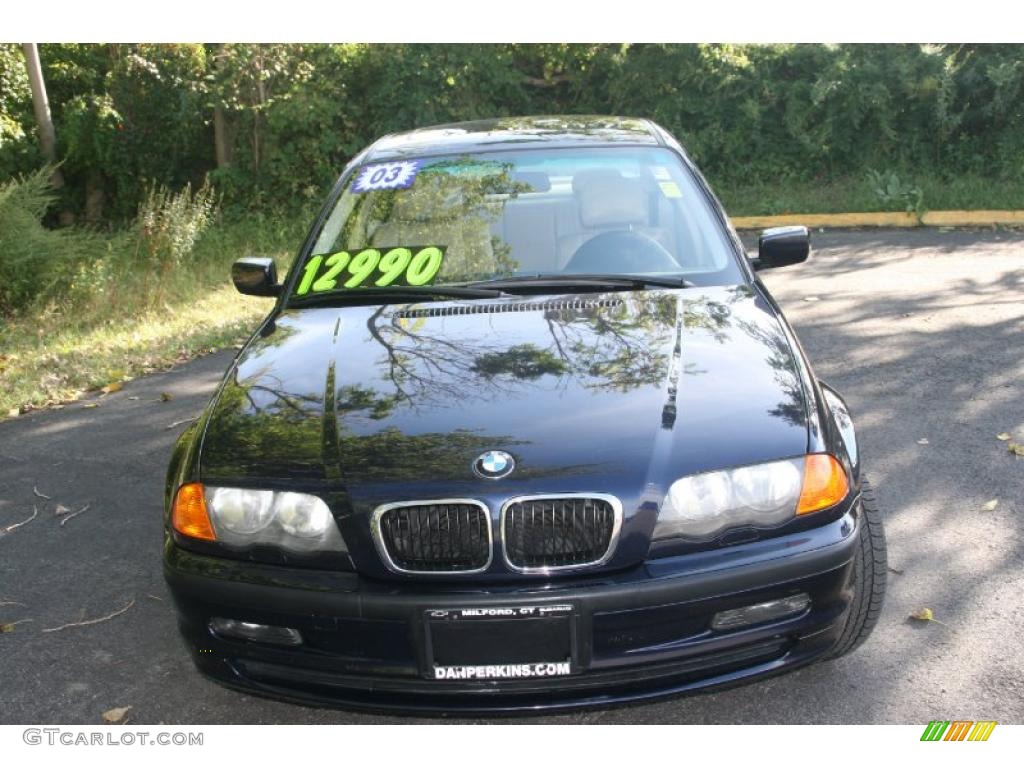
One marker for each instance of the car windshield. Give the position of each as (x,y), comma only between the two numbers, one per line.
(512,216)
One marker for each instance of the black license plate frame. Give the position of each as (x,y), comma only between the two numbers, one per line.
(489,643)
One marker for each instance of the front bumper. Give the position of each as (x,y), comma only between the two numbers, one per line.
(640,634)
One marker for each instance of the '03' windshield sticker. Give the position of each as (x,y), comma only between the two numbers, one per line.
(370,267)
(399,175)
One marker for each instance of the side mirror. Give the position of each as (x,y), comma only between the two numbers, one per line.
(255,277)
(782,246)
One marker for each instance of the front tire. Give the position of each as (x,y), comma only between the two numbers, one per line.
(868,577)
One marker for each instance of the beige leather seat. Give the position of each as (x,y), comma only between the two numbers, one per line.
(607,201)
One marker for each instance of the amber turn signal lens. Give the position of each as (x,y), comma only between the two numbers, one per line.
(189,517)
(825,483)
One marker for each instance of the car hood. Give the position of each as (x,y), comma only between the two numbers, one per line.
(620,392)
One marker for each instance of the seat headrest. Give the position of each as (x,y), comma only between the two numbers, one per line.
(608,199)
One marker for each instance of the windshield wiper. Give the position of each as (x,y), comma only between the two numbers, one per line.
(584,280)
(398,291)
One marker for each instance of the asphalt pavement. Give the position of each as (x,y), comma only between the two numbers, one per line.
(923,333)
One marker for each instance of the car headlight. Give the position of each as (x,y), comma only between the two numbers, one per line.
(240,510)
(300,514)
(245,517)
(761,495)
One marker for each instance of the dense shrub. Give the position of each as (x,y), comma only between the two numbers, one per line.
(36,261)
(19,151)
(290,116)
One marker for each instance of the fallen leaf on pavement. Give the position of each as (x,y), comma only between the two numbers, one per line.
(91,405)
(115,715)
(166,396)
(990,505)
(924,614)
(1015,448)
(114,386)
(1003,436)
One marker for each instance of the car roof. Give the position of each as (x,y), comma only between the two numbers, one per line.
(516,132)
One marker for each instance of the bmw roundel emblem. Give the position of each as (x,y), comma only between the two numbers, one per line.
(494,465)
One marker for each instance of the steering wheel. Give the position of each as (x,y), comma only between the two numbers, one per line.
(622,251)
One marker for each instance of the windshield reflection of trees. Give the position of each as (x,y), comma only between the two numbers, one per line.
(539,129)
(454,204)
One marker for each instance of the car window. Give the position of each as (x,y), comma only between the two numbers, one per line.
(623,210)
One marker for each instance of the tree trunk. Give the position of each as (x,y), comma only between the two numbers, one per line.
(47,135)
(95,198)
(261,98)
(220,137)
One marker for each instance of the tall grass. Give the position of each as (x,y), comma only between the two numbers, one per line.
(166,231)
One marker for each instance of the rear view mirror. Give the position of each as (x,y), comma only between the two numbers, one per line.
(255,277)
(782,246)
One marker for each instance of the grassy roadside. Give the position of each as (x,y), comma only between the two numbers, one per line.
(884,192)
(54,353)
(51,363)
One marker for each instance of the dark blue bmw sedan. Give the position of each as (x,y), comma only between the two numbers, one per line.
(523,430)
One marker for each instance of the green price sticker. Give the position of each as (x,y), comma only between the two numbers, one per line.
(370,267)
